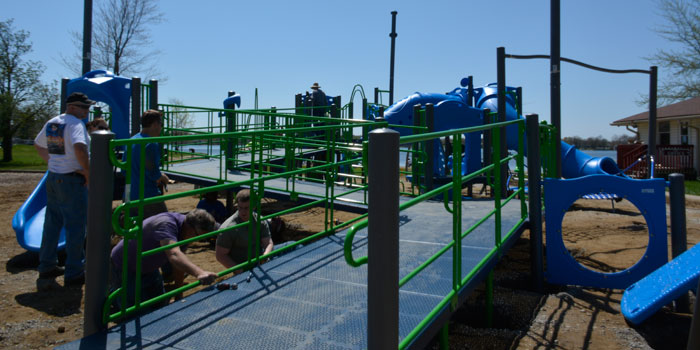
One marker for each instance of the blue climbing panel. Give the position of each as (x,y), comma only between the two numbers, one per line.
(651,293)
(647,195)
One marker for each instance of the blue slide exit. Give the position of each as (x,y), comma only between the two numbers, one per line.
(99,85)
(452,111)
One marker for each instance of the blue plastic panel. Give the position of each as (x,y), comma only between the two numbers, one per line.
(647,195)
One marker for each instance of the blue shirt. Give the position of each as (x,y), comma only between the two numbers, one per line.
(215,208)
(152,169)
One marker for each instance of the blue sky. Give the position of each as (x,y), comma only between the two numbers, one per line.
(282,47)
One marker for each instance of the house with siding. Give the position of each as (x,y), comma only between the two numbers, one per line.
(677,135)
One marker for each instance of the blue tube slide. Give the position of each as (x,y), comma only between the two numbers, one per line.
(452,111)
(99,85)
(28,222)
(575,163)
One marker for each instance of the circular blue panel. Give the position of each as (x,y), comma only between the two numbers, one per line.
(647,195)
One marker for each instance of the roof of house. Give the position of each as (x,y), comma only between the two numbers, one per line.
(687,108)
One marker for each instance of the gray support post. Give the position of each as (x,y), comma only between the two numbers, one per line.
(430,147)
(535,200)
(153,95)
(64,93)
(99,229)
(376,96)
(555,78)
(470,91)
(230,127)
(383,241)
(297,105)
(87,35)
(651,150)
(337,101)
(694,335)
(135,105)
(679,242)
(501,81)
(365,116)
(393,50)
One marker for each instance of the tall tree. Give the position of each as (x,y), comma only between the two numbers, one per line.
(682,27)
(24,99)
(121,39)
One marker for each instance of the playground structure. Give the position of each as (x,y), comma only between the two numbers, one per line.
(274,151)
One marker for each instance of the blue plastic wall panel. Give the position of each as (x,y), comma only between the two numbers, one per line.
(661,287)
(647,195)
(113,90)
(311,298)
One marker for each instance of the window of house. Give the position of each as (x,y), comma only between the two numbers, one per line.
(664,133)
(684,133)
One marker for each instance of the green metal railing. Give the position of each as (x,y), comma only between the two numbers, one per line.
(260,139)
(458,279)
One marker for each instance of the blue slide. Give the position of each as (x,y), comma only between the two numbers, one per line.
(452,111)
(28,222)
(661,287)
(99,85)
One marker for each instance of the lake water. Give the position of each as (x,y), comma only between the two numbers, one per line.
(402,155)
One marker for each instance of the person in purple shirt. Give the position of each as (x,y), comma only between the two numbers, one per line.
(161,230)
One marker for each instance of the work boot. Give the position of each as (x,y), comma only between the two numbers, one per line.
(53,273)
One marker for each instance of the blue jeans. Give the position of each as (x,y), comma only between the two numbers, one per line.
(66,207)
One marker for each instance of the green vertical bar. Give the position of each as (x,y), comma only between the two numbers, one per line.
(489,300)
(496,137)
(521,167)
(457,212)
(445,336)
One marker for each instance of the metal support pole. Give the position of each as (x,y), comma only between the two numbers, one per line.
(679,242)
(694,335)
(87,35)
(64,93)
(393,50)
(535,200)
(99,229)
(487,148)
(501,82)
(555,79)
(651,150)
(297,105)
(230,127)
(135,105)
(376,96)
(383,241)
(470,91)
(430,147)
(153,95)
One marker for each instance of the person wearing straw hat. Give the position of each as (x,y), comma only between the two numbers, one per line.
(63,144)
(317,99)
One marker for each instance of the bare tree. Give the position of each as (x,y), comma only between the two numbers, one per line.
(682,26)
(180,118)
(24,100)
(122,39)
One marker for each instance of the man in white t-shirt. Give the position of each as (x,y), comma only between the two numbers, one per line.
(63,143)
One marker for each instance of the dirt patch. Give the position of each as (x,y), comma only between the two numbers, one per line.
(558,318)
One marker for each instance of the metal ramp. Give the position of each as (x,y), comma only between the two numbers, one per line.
(311,298)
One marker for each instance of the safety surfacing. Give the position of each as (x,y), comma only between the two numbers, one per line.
(310,298)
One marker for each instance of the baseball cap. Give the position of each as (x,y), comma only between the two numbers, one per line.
(79,98)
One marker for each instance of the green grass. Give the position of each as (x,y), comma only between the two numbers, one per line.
(24,157)
(692,187)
